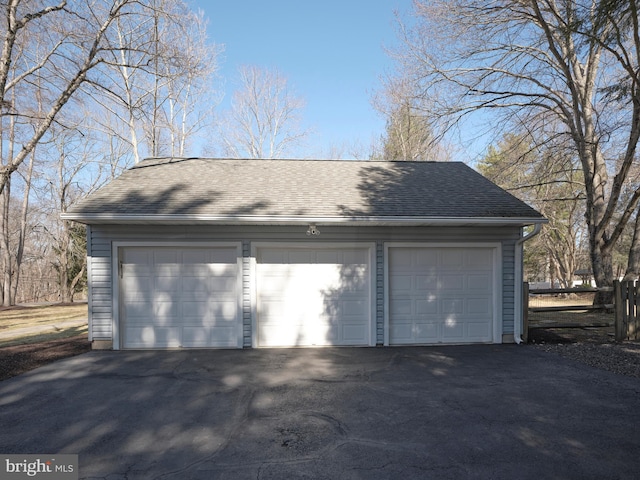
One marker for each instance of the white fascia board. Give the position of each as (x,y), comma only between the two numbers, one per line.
(283,220)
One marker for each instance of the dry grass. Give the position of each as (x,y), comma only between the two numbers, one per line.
(561,300)
(582,319)
(22,325)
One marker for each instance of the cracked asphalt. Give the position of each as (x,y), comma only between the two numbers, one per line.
(487,411)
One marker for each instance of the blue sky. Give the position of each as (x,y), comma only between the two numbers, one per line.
(332,52)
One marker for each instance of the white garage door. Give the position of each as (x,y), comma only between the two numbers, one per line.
(441,295)
(313,296)
(179,297)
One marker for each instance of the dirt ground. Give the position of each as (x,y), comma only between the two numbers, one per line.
(19,359)
(571,335)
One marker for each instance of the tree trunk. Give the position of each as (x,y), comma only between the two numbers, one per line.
(76,279)
(602,264)
(633,263)
(23,227)
(7,300)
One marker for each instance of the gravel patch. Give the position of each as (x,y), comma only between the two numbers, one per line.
(595,347)
(621,358)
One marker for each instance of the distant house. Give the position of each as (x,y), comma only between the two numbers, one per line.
(190,252)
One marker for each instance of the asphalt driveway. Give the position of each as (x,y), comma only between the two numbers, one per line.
(350,413)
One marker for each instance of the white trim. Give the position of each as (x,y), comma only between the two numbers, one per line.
(116,247)
(497,278)
(370,246)
(294,220)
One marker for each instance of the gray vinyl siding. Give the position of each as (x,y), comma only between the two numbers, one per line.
(101,293)
(102,236)
(379,269)
(508,286)
(246,294)
(89,286)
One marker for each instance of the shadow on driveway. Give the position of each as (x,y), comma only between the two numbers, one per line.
(349,413)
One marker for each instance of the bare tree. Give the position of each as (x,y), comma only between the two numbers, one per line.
(551,184)
(159,98)
(54,48)
(70,57)
(567,69)
(408,134)
(265,116)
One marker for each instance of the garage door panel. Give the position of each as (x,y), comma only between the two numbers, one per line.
(209,256)
(352,279)
(353,309)
(152,337)
(196,336)
(313,296)
(138,256)
(453,330)
(415,332)
(209,286)
(452,258)
(426,282)
(210,311)
(441,294)
(178,298)
(355,257)
(451,282)
(165,309)
(331,257)
(424,332)
(354,333)
(138,269)
(402,283)
(137,287)
(479,283)
(208,270)
(167,283)
(481,262)
(401,258)
(425,258)
(398,307)
(452,306)
(426,307)
(198,310)
(479,306)
(138,311)
(402,332)
(479,329)
(165,257)
(285,337)
(301,256)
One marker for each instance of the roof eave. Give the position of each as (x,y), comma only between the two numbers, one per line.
(180,219)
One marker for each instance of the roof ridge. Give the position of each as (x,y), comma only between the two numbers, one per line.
(152,161)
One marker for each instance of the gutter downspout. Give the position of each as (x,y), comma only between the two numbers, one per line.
(517,317)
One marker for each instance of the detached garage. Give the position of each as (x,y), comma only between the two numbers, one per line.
(226,253)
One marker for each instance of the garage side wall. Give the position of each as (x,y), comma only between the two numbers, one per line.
(100,288)
(508,288)
(101,238)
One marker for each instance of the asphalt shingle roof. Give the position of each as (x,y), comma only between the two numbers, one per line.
(241,188)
